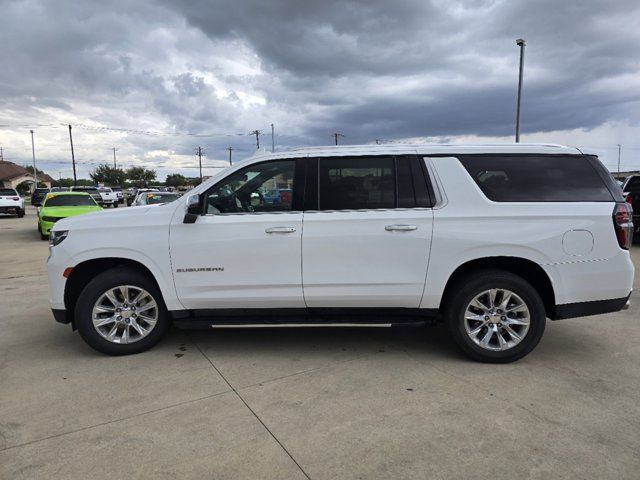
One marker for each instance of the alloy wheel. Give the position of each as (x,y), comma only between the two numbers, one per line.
(497,319)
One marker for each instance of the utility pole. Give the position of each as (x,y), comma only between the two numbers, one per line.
(230,150)
(73,157)
(273,139)
(521,44)
(200,161)
(336,135)
(33,153)
(619,150)
(377,141)
(257,133)
(114,158)
(1,154)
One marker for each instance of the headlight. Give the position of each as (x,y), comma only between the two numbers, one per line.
(56,237)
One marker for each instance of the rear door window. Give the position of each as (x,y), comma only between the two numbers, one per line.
(537,178)
(366,183)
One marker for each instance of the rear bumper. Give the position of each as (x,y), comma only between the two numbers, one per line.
(585,309)
(10,209)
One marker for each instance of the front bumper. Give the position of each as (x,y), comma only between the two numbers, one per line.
(45,227)
(60,315)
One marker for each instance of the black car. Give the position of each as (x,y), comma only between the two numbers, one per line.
(631,190)
(38,196)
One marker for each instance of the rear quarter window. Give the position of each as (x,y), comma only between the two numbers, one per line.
(537,178)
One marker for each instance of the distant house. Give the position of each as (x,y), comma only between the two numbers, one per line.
(12,175)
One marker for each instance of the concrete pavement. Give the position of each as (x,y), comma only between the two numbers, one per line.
(307,403)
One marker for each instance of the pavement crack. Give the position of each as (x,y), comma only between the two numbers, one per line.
(88,427)
(252,411)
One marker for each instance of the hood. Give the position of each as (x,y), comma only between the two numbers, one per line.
(101,218)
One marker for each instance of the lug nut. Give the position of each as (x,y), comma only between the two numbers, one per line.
(119,317)
(486,317)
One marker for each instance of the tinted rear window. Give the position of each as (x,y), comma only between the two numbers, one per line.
(537,178)
(7,191)
(70,201)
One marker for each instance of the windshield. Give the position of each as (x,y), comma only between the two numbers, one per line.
(70,201)
(153,199)
(105,190)
(8,191)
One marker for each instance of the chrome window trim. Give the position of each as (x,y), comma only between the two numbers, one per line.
(441,198)
(249,213)
(371,210)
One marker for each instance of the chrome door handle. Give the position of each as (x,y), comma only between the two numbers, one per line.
(401,228)
(280,229)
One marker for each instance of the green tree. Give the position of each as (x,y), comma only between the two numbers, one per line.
(176,180)
(141,177)
(29,169)
(107,175)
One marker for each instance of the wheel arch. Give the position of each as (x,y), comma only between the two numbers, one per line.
(527,269)
(83,272)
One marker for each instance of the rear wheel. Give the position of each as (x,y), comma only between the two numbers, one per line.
(121,312)
(20,212)
(495,316)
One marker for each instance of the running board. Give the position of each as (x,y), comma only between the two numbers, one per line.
(304,325)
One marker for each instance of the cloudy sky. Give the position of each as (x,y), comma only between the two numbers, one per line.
(157,78)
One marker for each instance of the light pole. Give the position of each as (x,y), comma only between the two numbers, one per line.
(33,154)
(619,150)
(521,44)
(73,158)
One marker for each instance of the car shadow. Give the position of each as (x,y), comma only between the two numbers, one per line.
(429,341)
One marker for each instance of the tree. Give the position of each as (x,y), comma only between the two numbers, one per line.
(176,180)
(108,175)
(29,169)
(140,176)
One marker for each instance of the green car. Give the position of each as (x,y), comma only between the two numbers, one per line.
(59,205)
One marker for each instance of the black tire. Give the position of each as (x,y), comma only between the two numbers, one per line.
(115,205)
(42,235)
(20,213)
(462,293)
(99,285)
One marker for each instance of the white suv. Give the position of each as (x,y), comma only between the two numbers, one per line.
(491,240)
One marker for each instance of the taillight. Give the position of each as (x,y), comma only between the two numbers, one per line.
(623,224)
(629,199)
(15,198)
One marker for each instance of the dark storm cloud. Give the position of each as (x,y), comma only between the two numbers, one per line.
(367,68)
(314,46)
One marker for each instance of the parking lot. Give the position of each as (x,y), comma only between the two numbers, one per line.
(307,403)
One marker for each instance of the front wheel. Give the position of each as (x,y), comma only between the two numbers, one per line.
(495,316)
(121,312)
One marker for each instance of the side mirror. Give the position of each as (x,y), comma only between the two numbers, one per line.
(193,209)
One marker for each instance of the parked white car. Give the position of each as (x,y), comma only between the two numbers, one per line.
(491,240)
(109,197)
(154,198)
(11,202)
